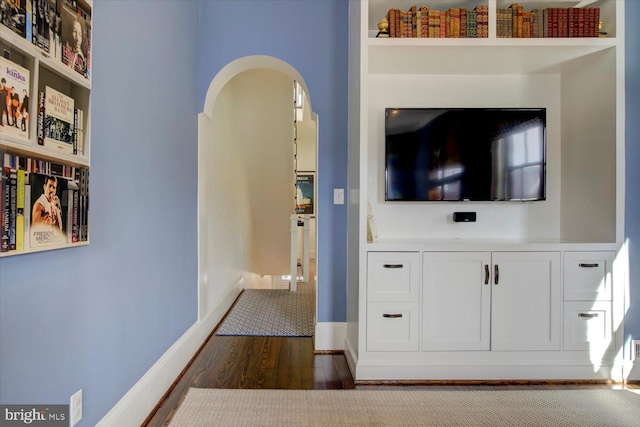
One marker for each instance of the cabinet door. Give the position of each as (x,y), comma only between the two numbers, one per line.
(526,298)
(456,301)
(392,326)
(588,276)
(587,326)
(393,276)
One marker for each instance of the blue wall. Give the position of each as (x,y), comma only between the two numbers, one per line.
(632,221)
(312,36)
(98,317)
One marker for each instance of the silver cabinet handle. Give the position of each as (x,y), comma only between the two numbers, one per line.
(392,265)
(486,274)
(392,316)
(496,274)
(594,265)
(588,315)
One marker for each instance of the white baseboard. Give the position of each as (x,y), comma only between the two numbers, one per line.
(351,356)
(136,405)
(330,335)
(634,373)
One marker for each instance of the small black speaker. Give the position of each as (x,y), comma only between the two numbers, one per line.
(464,217)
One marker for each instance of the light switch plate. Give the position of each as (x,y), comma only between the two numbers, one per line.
(338,196)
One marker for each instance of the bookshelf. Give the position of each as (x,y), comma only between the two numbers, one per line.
(580,82)
(46,72)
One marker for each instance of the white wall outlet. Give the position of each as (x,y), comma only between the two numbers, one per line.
(75,408)
(338,196)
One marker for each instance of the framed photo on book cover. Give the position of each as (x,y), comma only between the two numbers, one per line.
(305,193)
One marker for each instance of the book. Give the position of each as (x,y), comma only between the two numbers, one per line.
(40,119)
(74,222)
(20,175)
(67,207)
(13,190)
(74,40)
(27,212)
(14,87)
(422,22)
(58,121)
(5,209)
(392,22)
(48,218)
(46,17)
(13,15)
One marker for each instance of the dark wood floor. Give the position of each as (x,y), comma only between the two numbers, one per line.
(256,362)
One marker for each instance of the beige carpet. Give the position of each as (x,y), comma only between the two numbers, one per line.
(579,408)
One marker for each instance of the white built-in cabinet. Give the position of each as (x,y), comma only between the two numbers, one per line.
(491,301)
(532,290)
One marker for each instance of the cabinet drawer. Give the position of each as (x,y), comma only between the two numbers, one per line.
(588,276)
(587,326)
(392,326)
(393,276)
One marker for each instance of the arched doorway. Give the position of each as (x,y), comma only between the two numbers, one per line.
(240,153)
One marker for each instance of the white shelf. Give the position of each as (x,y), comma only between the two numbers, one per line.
(42,249)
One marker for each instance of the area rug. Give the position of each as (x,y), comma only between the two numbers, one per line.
(272,312)
(579,408)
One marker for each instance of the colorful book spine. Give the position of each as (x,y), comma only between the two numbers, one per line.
(6,209)
(20,174)
(40,129)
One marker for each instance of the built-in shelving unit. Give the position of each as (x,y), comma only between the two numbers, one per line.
(46,71)
(580,82)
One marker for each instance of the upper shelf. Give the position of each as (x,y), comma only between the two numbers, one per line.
(379,8)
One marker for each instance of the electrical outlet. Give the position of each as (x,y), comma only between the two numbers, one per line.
(75,408)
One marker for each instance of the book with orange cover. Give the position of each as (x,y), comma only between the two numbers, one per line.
(422,22)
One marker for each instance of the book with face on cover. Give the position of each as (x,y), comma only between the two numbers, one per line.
(75,39)
(49,209)
(14,112)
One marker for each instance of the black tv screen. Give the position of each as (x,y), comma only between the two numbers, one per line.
(457,154)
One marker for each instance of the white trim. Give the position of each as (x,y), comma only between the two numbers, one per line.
(634,372)
(390,371)
(351,356)
(330,335)
(142,398)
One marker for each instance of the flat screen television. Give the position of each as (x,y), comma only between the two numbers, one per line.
(460,154)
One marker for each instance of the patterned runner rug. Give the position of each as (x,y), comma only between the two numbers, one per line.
(272,312)
(579,408)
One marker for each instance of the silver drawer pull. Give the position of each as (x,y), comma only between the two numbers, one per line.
(392,316)
(393,265)
(588,315)
(594,265)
